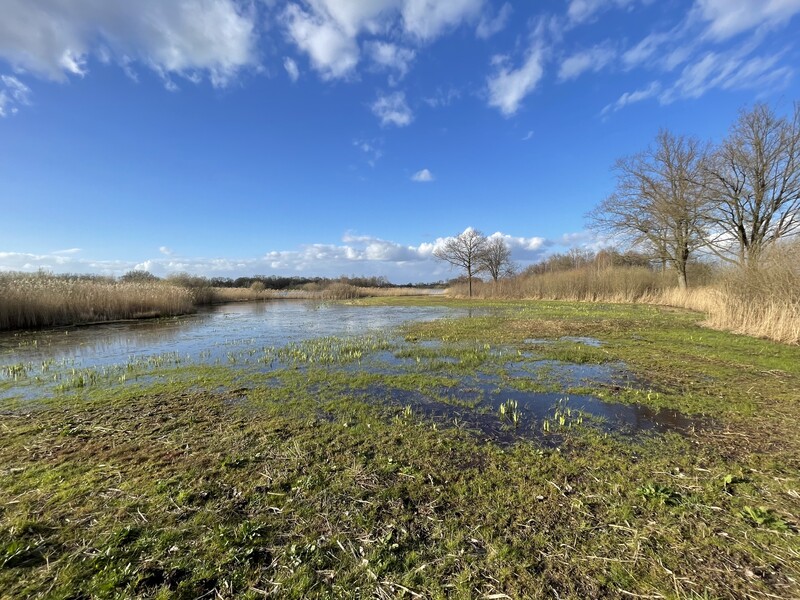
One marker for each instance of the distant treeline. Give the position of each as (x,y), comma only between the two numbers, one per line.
(272,282)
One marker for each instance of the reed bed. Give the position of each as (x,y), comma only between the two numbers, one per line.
(761,302)
(40,300)
(587,284)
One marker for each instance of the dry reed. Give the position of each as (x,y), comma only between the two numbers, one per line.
(761,302)
(42,300)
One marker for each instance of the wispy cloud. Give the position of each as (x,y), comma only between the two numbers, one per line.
(291,68)
(581,11)
(392,109)
(727,18)
(442,97)
(727,71)
(371,148)
(428,19)
(385,55)
(593,60)
(490,25)
(13,94)
(509,86)
(628,98)
(423,176)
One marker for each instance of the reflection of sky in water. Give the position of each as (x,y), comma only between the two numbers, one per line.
(213,332)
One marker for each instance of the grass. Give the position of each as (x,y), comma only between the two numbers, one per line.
(207,481)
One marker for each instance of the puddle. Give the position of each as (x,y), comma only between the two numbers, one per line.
(476,404)
(586,341)
(567,375)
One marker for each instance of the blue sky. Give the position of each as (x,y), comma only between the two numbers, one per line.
(330,137)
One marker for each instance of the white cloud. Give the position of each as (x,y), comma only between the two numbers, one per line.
(522,247)
(356,254)
(580,11)
(390,56)
(508,86)
(593,60)
(423,176)
(427,19)
(13,94)
(645,49)
(213,37)
(328,31)
(726,18)
(291,68)
(528,136)
(165,250)
(629,98)
(442,97)
(488,26)
(333,53)
(728,71)
(392,109)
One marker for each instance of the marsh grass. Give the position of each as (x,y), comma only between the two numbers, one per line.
(211,482)
(41,300)
(762,301)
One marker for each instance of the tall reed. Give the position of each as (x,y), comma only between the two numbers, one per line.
(763,301)
(43,300)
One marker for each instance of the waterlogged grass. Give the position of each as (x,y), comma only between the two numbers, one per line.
(284,473)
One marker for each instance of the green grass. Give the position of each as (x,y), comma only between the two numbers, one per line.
(219,481)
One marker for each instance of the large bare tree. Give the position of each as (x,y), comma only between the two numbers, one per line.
(464,251)
(496,259)
(659,201)
(755,183)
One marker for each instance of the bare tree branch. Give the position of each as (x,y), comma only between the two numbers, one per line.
(660,201)
(464,251)
(754,179)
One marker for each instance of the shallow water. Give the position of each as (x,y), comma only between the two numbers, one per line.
(209,335)
(251,336)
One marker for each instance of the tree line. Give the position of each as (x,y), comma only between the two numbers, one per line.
(733,200)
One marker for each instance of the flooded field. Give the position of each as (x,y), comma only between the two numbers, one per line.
(501,393)
(456,450)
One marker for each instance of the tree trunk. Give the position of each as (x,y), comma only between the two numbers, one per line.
(682,280)
(469,278)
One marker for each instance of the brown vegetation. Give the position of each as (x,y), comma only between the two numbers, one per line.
(30,301)
(762,301)
(42,300)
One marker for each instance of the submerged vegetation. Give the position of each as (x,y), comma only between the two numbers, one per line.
(357,467)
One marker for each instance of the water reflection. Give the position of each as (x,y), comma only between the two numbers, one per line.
(209,334)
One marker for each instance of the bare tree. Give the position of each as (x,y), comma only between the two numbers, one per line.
(754,180)
(496,259)
(659,201)
(464,251)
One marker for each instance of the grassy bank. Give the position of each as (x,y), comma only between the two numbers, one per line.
(763,302)
(306,482)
